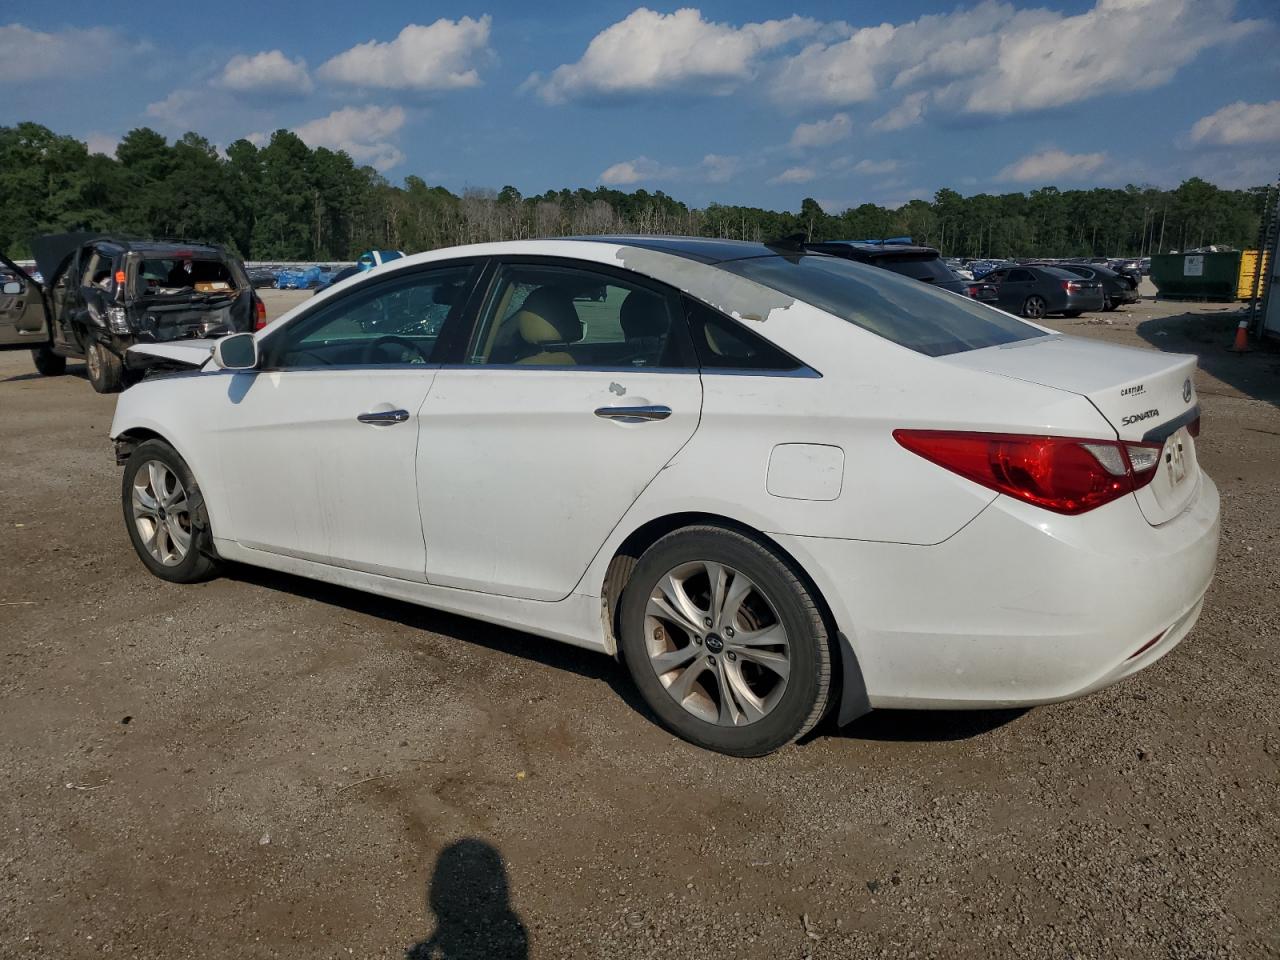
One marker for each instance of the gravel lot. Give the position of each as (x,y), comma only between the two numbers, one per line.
(263,766)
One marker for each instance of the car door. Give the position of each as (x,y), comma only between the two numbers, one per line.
(576,387)
(1014,288)
(317,446)
(24,321)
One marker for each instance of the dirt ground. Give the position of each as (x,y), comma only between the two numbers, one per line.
(263,766)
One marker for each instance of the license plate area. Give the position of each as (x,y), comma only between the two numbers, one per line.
(1175,480)
(1175,456)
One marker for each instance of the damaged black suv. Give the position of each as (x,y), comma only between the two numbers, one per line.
(101,295)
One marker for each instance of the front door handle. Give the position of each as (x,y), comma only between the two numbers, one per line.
(384,416)
(633,414)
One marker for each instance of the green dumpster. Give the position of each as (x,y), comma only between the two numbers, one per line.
(1196,276)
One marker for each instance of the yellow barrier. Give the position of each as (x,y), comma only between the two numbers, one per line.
(1248,271)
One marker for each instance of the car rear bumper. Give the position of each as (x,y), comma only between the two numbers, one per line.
(1084,302)
(1022,606)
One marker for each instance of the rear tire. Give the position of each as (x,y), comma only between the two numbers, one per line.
(1035,308)
(106,370)
(48,363)
(755,678)
(165,515)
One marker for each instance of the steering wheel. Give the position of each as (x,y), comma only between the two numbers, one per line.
(373,346)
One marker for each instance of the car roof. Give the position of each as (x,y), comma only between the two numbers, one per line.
(701,249)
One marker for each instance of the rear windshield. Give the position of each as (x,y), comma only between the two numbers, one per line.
(909,313)
(928,269)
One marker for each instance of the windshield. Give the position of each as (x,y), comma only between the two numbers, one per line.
(905,311)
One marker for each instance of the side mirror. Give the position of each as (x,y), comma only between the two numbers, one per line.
(12,288)
(236,352)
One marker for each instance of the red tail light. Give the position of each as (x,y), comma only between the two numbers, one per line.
(1063,474)
(973,290)
(1071,286)
(259,314)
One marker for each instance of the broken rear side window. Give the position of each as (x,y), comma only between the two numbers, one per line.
(179,276)
(907,312)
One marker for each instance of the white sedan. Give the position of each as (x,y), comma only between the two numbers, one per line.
(775,483)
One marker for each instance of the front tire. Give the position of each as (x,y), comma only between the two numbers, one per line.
(725,641)
(48,363)
(106,370)
(165,515)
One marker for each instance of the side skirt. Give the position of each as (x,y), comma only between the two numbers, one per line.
(575,620)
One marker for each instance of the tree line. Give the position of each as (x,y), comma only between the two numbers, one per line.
(288,201)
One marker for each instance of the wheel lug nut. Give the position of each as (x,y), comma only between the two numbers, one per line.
(711,660)
(731,655)
(698,641)
(707,621)
(728,631)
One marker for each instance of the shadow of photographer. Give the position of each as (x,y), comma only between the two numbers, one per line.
(470,897)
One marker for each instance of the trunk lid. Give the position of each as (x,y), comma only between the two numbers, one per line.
(1146,396)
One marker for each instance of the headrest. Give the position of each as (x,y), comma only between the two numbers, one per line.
(446,293)
(547,316)
(643,314)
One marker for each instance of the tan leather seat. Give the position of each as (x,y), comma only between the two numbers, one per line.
(545,321)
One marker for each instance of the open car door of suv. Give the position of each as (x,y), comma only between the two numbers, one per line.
(24,321)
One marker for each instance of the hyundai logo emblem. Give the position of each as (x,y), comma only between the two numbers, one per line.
(1186,390)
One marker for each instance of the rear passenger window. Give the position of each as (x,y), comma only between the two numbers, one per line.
(570,317)
(1018,276)
(724,343)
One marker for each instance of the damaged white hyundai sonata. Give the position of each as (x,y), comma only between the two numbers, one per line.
(775,482)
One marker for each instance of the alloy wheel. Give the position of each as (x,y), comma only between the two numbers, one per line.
(162,512)
(1034,308)
(716,643)
(93,361)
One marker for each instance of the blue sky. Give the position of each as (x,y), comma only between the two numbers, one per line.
(744,102)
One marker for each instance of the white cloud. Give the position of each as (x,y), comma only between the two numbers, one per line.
(907,113)
(874,167)
(794,175)
(634,171)
(27,54)
(1032,59)
(1239,123)
(267,72)
(105,143)
(1053,165)
(822,133)
(718,168)
(363,132)
(712,168)
(648,52)
(173,109)
(443,56)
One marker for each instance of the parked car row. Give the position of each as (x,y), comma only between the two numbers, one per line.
(317,276)
(1029,288)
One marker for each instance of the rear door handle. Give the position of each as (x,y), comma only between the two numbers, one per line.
(384,416)
(633,414)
